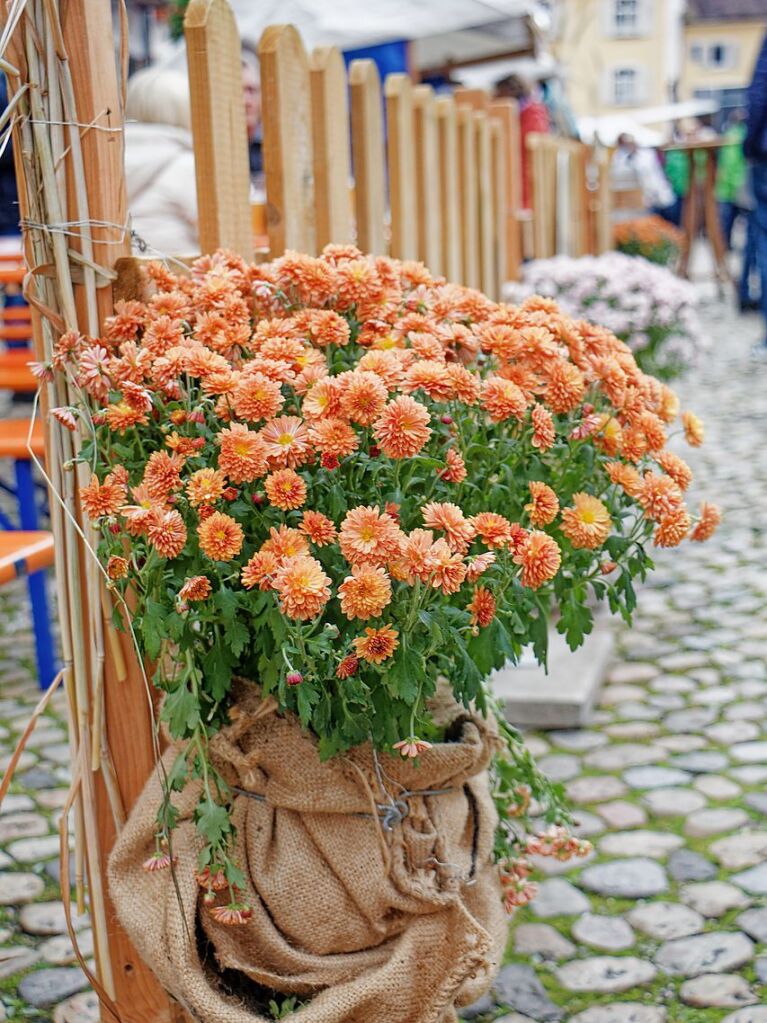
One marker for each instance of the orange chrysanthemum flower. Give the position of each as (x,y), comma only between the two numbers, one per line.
(482,607)
(220,537)
(121,416)
(285,489)
(466,385)
(162,474)
(634,446)
(117,567)
(322,399)
(544,506)
(494,529)
(540,558)
(206,486)
(369,537)
(242,456)
(257,397)
(417,558)
(363,396)
(260,571)
(197,587)
(668,406)
(430,376)
(624,476)
(565,387)
(402,429)
(676,468)
(544,433)
(102,498)
(672,528)
(449,519)
(587,523)
(659,496)
(333,436)
(285,542)
(348,666)
(365,593)
(456,467)
(166,532)
(610,436)
(448,569)
(693,429)
(318,527)
(377,645)
(303,587)
(502,399)
(479,565)
(286,442)
(653,429)
(710,517)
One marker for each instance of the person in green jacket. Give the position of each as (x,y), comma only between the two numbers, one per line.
(731,176)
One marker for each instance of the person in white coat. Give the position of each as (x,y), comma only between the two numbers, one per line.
(159,164)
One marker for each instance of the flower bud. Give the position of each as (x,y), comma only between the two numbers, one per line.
(114,528)
(331,630)
(294,678)
(230,493)
(446,419)
(205,511)
(198,416)
(259,497)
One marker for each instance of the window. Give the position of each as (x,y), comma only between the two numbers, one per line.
(721,55)
(626,17)
(696,53)
(625,80)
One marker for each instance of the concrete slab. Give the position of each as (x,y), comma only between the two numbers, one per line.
(565,697)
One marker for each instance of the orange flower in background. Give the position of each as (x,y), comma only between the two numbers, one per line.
(402,429)
(322,399)
(668,408)
(285,489)
(625,476)
(166,532)
(334,436)
(479,565)
(634,446)
(610,436)
(302,586)
(323,327)
(385,364)
(676,468)
(348,666)
(544,433)
(363,396)
(659,496)
(206,486)
(197,587)
(162,475)
(242,456)
(286,442)
(448,569)
(544,506)
(260,571)
(587,523)
(540,558)
(654,431)
(365,593)
(465,385)
(285,542)
(121,417)
(565,388)
(377,645)
(693,429)
(456,467)
(137,515)
(673,528)
(502,399)
(417,559)
(710,517)
(117,567)
(318,527)
(220,537)
(369,537)
(482,607)
(102,498)
(430,376)
(257,397)
(449,519)
(494,529)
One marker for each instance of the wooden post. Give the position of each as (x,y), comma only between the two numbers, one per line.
(218,127)
(499,156)
(450,217)
(427,179)
(468,198)
(398,90)
(330,143)
(486,233)
(506,112)
(603,201)
(287,140)
(368,156)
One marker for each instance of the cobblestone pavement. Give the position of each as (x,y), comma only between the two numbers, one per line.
(668,918)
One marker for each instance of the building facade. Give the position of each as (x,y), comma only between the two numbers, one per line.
(721,41)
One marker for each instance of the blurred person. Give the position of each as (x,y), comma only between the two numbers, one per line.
(159,162)
(755,148)
(533,117)
(640,168)
(731,183)
(251,88)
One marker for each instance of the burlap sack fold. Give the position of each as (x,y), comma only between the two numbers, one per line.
(372,915)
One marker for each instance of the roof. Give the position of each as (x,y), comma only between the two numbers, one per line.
(727,10)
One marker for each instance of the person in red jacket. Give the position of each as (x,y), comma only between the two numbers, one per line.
(533,117)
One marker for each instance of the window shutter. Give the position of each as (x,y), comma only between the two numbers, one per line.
(608,18)
(645,17)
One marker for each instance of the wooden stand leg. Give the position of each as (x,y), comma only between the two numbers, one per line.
(689,221)
(712,221)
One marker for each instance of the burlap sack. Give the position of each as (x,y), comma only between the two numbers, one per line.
(373,925)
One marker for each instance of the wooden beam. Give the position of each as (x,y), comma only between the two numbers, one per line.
(450,215)
(468,194)
(485,218)
(331,148)
(218,127)
(398,90)
(368,156)
(287,140)
(427,178)
(499,155)
(506,111)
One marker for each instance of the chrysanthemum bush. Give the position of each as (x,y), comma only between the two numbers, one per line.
(651,237)
(643,304)
(343,480)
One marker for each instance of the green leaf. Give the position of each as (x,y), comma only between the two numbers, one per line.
(153,628)
(237,636)
(181,711)
(213,822)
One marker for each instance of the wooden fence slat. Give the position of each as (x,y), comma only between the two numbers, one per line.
(468,198)
(499,158)
(450,218)
(218,127)
(287,143)
(477,99)
(485,225)
(398,90)
(331,147)
(603,204)
(368,156)
(427,178)
(506,113)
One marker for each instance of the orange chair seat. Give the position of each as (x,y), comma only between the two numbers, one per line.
(22,553)
(16,332)
(14,434)
(15,374)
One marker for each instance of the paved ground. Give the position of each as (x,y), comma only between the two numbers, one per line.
(669,782)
